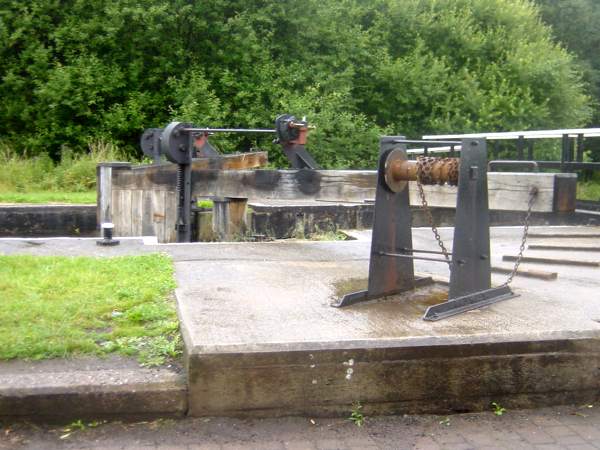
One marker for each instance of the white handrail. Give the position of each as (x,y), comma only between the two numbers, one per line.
(532,134)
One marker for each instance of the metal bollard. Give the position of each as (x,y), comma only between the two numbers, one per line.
(107,235)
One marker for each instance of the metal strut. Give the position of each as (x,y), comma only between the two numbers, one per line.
(391,267)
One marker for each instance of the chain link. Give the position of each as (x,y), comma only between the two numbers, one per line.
(532,197)
(427,211)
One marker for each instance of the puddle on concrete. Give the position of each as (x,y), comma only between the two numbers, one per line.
(423,296)
(405,309)
(349,285)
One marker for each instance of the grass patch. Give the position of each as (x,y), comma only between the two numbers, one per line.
(329,236)
(62,306)
(588,190)
(40,175)
(48,197)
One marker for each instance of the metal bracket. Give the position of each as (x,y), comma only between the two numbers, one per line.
(364,296)
(468,302)
(391,234)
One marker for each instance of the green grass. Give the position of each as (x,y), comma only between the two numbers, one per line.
(588,190)
(63,306)
(48,197)
(39,175)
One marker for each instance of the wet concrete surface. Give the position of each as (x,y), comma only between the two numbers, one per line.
(261,335)
(281,292)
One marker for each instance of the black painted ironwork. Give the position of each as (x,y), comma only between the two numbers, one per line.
(182,142)
(391,233)
(391,267)
(468,302)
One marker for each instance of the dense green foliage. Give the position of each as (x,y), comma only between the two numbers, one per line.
(77,70)
(576,25)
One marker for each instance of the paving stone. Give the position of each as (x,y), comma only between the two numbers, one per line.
(450,437)
(204,447)
(427,443)
(535,435)
(329,444)
(300,445)
(558,431)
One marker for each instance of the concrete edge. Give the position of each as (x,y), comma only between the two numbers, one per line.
(378,343)
(58,395)
(394,343)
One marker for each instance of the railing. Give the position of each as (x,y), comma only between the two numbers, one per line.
(572,146)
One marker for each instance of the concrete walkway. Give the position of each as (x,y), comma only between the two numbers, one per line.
(572,427)
(567,308)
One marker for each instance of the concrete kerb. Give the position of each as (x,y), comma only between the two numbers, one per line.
(90,388)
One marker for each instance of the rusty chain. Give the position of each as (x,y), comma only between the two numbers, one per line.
(429,215)
(532,197)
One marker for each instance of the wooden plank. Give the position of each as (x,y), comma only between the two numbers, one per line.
(158,214)
(115,211)
(341,185)
(121,205)
(164,176)
(104,194)
(170,233)
(528,273)
(147,211)
(563,262)
(570,248)
(136,212)
(104,172)
(510,191)
(565,192)
(507,191)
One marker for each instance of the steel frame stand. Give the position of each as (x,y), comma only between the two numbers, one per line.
(391,234)
(471,274)
(391,268)
(299,157)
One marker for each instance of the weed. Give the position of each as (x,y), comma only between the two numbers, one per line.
(79,425)
(498,409)
(329,236)
(207,204)
(356,415)
(588,190)
(445,421)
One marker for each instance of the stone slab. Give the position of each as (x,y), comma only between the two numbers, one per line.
(47,220)
(262,339)
(68,389)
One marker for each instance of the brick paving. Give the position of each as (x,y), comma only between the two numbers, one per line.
(565,427)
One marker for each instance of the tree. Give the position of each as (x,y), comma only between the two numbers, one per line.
(576,25)
(77,70)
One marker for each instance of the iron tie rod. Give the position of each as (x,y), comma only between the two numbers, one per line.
(230,130)
(420,141)
(424,258)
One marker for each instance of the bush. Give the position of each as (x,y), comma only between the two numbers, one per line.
(77,71)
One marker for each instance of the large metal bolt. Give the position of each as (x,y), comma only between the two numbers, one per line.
(107,234)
